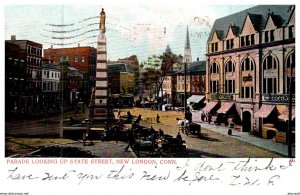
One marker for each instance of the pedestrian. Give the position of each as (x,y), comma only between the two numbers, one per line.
(209,118)
(178,137)
(131,140)
(157,118)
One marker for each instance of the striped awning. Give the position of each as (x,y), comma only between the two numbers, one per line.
(264,111)
(285,114)
(209,106)
(225,107)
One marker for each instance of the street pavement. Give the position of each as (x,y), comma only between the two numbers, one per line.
(99,149)
(49,127)
(246,137)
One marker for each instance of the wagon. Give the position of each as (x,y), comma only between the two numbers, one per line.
(174,147)
(194,129)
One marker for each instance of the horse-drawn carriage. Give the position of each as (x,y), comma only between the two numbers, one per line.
(171,146)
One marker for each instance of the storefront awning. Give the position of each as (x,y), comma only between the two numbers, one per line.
(264,111)
(195,98)
(209,106)
(285,114)
(225,107)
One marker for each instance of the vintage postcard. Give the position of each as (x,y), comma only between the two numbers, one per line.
(117,97)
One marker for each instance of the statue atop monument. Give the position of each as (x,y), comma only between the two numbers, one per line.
(102,21)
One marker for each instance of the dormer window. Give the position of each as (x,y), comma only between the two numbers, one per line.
(229,44)
(291,32)
(214,47)
(269,36)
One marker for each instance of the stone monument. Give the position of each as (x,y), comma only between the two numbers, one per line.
(103,110)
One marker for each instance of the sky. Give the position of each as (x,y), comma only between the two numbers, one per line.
(132,29)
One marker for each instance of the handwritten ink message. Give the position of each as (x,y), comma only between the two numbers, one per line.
(243,172)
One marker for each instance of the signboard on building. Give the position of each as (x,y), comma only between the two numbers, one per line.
(284,98)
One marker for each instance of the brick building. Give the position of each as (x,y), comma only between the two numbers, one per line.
(195,81)
(250,56)
(82,58)
(30,56)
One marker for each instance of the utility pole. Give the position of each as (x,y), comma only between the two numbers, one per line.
(185,106)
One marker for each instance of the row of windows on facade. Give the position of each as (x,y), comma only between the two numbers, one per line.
(66,58)
(52,86)
(14,62)
(34,61)
(53,75)
(269,87)
(92,60)
(248,40)
(194,78)
(269,63)
(34,50)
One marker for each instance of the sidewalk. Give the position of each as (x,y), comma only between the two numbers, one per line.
(245,137)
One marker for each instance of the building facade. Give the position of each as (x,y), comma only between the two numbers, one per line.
(15,81)
(30,55)
(121,78)
(81,58)
(51,87)
(250,62)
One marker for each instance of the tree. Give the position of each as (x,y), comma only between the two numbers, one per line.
(157,68)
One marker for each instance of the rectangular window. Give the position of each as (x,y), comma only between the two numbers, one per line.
(291,32)
(231,43)
(247,40)
(76,59)
(243,92)
(216,46)
(266,36)
(272,37)
(233,86)
(252,39)
(227,44)
(247,92)
(230,86)
(275,85)
(270,85)
(242,41)
(61,59)
(264,85)
(82,58)
(212,47)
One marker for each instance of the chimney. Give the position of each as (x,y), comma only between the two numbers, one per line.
(13,37)
(197,59)
(78,44)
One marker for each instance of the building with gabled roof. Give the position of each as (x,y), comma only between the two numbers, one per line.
(250,61)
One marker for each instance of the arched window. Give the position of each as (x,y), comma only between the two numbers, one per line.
(290,81)
(269,63)
(247,64)
(229,67)
(214,68)
(291,60)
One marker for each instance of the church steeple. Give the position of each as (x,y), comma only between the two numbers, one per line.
(187,48)
(187,39)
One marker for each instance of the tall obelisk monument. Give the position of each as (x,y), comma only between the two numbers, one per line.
(103,109)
